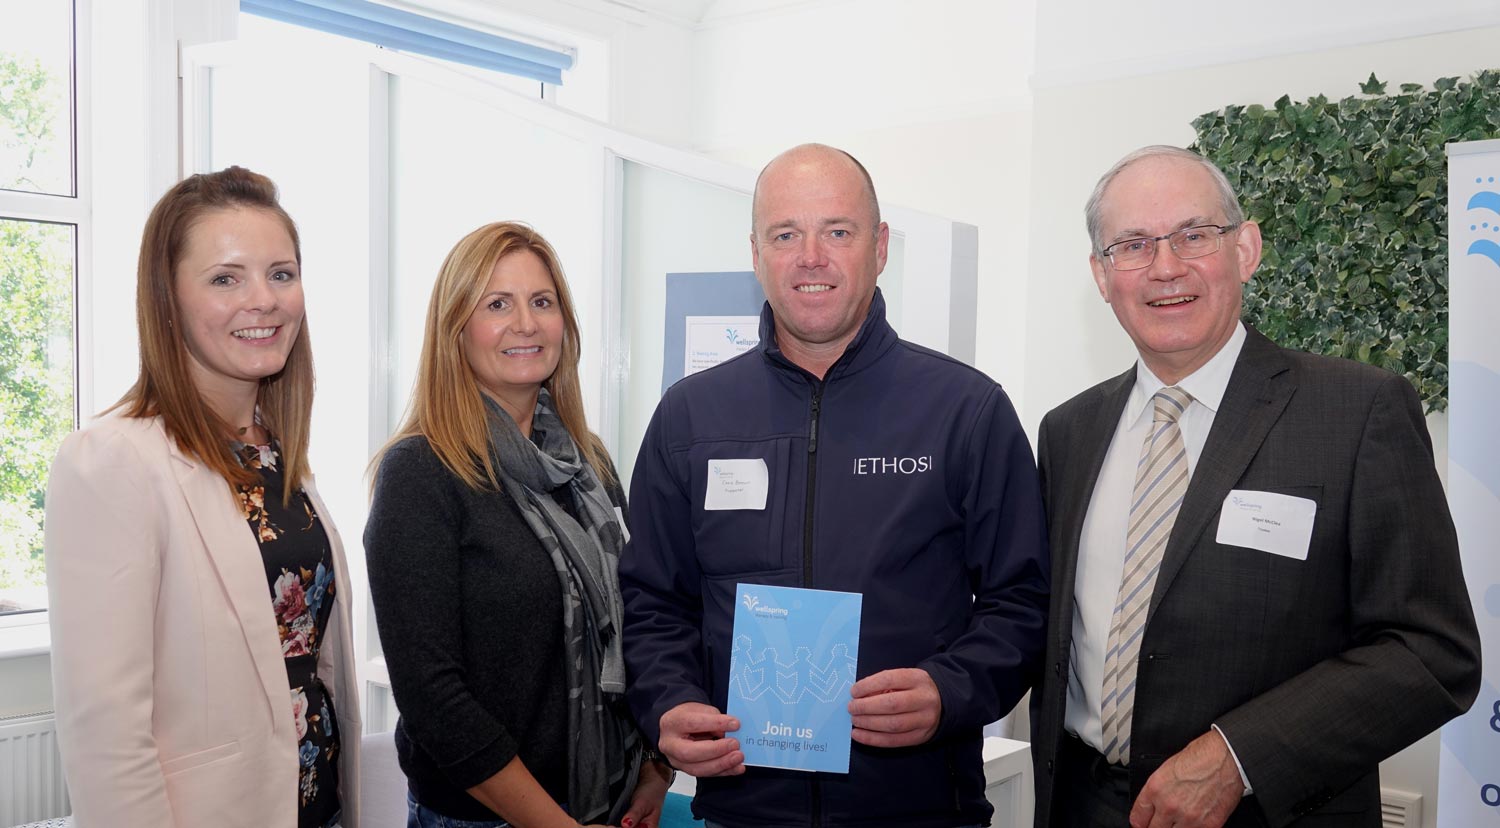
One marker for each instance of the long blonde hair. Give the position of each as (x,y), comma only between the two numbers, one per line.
(165,387)
(447,406)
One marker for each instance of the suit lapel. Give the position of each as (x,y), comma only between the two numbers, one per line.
(235,555)
(1257,394)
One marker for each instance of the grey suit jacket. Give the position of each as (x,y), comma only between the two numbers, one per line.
(1315,669)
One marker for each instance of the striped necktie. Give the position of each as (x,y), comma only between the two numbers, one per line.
(1161,480)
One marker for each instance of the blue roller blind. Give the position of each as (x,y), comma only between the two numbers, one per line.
(396,29)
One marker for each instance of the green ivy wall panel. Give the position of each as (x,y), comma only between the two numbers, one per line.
(1352,198)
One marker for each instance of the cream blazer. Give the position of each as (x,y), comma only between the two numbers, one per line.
(172,697)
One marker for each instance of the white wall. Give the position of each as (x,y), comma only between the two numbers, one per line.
(931,97)
(650,55)
(772,75)
(652,78)
(1080,129)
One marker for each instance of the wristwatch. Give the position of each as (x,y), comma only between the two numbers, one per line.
(653,755)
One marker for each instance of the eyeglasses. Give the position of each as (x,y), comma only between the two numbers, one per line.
(1187,243)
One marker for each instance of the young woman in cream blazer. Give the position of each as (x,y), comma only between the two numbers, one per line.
(199,679)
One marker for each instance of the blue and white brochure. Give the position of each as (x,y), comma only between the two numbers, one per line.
(794,659)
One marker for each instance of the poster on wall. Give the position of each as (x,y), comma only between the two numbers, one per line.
(715,339)
(1469,764)
(710,318)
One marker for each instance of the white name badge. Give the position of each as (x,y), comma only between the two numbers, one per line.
(736,484)
(1275,523)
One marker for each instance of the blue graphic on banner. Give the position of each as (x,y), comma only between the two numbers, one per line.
(794,660)
(1487,249)
(1485,200)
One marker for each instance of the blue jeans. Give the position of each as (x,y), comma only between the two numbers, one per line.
(418,816)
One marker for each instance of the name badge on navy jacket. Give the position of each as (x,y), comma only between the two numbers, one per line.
(1276,523)
(736,484)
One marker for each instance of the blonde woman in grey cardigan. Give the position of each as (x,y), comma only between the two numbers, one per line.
(493,536)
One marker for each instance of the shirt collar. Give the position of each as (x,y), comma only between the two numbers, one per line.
(1206,385)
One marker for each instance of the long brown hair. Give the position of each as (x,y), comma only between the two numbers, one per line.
(446,405)
(165,387)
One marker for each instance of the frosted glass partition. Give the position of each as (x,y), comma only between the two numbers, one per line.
(457,163)
(671,223)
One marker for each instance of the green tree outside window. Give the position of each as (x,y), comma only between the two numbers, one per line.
(36,334)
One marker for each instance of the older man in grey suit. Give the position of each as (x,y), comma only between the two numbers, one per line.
(1257,594)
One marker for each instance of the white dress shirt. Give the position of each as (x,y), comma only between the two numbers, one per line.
(1101,549)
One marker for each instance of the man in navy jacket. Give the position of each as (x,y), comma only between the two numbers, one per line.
(893,471)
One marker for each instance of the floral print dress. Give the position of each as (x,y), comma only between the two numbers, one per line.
(299,568)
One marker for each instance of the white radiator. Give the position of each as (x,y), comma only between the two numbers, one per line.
(1400,809)
(31,776)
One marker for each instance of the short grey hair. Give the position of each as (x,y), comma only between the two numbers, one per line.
(1228,200)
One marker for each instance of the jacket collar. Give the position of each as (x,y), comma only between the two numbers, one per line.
(874,338)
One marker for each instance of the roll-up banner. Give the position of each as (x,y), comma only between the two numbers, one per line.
(1469,767)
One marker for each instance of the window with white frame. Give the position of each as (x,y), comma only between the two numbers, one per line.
(43,221)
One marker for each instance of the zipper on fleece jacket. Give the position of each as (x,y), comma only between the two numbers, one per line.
(807,555)
(812,479)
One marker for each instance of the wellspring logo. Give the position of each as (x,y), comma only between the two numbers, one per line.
(733,336)
(752,603)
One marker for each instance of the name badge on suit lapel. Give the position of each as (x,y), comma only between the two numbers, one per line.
(1275,523)
(736,484)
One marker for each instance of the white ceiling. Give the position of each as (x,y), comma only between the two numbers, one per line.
(687,11)
(695,12)
(1081,41)
(508,13)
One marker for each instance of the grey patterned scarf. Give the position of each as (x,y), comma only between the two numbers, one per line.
(585,550)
